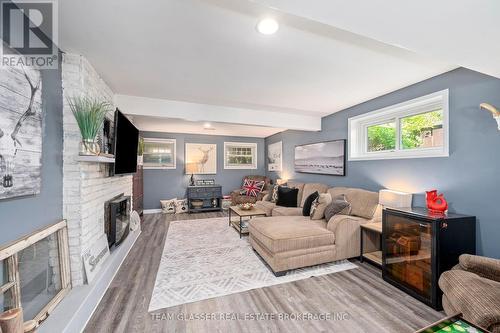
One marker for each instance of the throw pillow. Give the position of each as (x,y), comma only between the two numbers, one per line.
(306,208)
(319,205)
(339,205)
(287,196)
(181,206)
(252,188)
(274,193)
(168,206)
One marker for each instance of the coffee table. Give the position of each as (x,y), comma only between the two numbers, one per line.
(238,225)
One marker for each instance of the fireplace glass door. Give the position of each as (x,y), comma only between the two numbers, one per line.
(408,253)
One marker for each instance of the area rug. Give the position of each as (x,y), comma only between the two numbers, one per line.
(205,258)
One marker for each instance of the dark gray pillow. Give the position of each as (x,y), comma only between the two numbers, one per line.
(287,196)
(339,204)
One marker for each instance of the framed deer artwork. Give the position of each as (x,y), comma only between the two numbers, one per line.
(20,131)
(201,158)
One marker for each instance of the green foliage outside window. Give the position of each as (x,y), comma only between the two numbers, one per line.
(414,129)
(382,137)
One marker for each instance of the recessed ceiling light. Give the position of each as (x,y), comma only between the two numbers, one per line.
(267,26)
(208,127)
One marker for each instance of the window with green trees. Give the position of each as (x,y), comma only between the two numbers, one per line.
(417,131)
(422,130)
(382,137)
(411,129)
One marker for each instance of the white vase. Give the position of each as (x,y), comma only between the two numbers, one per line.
(140,160)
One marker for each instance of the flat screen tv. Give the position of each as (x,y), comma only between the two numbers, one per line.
(126,142)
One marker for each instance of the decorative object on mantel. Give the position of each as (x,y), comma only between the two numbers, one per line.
(89,114)
(436,202)
(21,117)
(494,111)
(140,151)
(11,321)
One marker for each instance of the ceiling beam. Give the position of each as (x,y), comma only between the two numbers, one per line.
(133,105)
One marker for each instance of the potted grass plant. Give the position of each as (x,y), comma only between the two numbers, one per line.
(140,151)
(89,114)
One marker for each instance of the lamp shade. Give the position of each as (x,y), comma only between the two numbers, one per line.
(394,199)
(191,168)
(280,181)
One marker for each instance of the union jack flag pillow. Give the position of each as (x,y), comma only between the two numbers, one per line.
(252,188)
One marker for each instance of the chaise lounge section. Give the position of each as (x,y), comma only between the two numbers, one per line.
(287,240)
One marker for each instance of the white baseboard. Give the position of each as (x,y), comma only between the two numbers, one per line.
(151,211)
(75,310)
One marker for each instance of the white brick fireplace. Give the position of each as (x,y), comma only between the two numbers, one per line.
(87,186)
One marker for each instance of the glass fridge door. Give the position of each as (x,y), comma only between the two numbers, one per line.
(408,256)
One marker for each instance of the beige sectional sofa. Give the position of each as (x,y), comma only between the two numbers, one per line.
(287,240)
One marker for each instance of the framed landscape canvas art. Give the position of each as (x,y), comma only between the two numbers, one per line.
(327,158)
(201,158)
(275,156)
(20,131)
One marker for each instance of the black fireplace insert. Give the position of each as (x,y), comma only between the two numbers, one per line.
(117,219)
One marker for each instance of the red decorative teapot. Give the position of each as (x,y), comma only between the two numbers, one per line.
(436,202)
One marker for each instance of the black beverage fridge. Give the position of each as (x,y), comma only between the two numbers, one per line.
(418,245)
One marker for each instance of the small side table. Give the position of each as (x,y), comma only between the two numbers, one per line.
(238,225)
(374,257)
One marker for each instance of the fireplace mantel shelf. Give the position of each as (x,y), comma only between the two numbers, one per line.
(96,159)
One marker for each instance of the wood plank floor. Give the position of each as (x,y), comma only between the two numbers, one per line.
(357,300)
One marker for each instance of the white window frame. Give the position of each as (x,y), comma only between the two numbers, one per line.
(357,128)
(242,145)
(174,141)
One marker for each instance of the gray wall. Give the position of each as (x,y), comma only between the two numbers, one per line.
(166,184)
(21,216)
(469,177)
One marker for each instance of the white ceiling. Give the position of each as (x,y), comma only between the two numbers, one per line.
(463,32)
(208,52)
(172,125)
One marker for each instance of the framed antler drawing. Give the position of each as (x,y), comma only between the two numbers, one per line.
(20,131)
